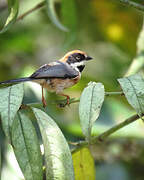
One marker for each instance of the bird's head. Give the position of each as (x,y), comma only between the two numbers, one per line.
(76,59)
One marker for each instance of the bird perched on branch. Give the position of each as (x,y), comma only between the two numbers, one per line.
(59,75)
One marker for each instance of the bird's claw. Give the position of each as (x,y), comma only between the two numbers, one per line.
(64,104)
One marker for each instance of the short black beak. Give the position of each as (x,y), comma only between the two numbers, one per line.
(88,58)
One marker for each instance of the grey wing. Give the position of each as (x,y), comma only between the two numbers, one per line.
(56,70)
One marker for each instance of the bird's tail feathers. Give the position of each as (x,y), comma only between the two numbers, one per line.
(16,80)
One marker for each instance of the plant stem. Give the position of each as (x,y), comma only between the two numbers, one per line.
(73,100)
(133,4)
(38,6)
(106,94)
(114,93)
(103,136)
(63,103)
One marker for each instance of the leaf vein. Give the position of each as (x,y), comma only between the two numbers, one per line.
(135,94)
(9,97)
(25,145)
(89,128)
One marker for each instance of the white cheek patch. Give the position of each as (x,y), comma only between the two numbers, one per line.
(76,64)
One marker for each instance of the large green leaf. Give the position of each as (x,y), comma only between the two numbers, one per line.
(90,105)
(13,6)
(58,158)
(26,147)
(53,16)
(10,101)
(133,88)
(83,162)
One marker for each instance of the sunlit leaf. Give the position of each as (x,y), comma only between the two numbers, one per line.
(13,6)
(83,162)
(91,102)
(58,158)
(10,101)
(26,147)
(53,16)
(133,88)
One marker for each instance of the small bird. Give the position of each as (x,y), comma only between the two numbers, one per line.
(58,75)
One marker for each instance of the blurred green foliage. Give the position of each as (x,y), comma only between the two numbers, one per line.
(108,31)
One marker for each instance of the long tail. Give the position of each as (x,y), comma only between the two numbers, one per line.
(16,80)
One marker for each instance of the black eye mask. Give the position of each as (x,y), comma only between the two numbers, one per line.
(76,57)
(81,68)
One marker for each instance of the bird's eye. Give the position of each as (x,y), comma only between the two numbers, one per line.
(78,57)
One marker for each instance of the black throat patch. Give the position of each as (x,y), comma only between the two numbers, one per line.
(81,68)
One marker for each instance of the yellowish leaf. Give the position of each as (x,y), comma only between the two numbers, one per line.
(83,163)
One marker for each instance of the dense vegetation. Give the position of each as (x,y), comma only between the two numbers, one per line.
(100,131)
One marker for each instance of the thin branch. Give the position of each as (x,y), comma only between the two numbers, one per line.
(114,93)
(38,6)
(74,100)
(133,4)
(103,136)
(63,103)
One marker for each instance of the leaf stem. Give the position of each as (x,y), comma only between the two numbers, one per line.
(38,6)
(133,4)
(103,136)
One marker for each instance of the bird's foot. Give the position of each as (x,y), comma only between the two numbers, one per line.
(65,102)
(62,104)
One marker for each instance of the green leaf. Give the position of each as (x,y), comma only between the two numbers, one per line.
(53,16)
(10,101)
(57,153)
(13,6)
(90,105)
(133,88)
(26,147)
(69,19)
(83,163)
